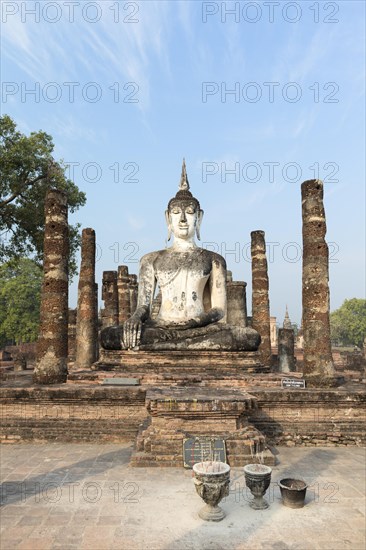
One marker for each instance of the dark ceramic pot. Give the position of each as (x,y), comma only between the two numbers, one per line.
(293,492)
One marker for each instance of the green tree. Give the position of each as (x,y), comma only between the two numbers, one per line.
(28,169)
(20,289)
(348,323)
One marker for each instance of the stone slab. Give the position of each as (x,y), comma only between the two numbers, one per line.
(121,382)
(248,361)
(196,402)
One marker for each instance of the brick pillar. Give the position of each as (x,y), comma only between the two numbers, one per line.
(72,335)
(123,285)
(51,365)
(110,297)
(98,323)
(286,350)
(134,287)
(273,330)
(87,312)
(236,303)
(318,361)
(260,298)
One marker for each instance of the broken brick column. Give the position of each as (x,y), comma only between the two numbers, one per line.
(87,312)
(110,298)
(260,297)
(236,303)
(19,360)
(134,287)
(286,350)
(72,335)
(51,365)
(318,362)
(123,285)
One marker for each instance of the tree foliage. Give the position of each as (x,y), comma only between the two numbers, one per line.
(348,323)
(20,289)
(28,169)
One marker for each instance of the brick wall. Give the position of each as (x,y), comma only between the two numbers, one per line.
(75,413)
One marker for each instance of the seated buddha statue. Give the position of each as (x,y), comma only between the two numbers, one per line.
(192,283)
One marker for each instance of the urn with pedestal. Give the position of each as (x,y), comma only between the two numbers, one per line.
(212,480)
(258,479)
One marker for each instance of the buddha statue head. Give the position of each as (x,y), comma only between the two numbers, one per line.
(184,215)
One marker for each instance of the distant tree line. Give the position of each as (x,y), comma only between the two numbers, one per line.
(348,323)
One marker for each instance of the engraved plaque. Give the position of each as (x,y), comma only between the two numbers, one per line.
(203,448)
(298,383)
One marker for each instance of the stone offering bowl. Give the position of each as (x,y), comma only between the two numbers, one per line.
(258,479)
(212,480)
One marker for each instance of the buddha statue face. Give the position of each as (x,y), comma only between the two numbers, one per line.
(184,219)
(184,215)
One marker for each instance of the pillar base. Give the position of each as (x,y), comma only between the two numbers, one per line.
(319,380)
(50,370)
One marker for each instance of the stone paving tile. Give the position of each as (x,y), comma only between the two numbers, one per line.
(86,496)
(10,543)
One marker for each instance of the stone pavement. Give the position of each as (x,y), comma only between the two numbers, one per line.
(85,496)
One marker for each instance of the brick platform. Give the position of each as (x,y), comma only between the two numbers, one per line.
(208,368)
(189,412)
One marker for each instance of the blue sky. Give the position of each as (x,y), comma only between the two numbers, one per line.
(271,91)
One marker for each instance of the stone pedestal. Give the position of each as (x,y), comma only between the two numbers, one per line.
(179,413)
(318,362)
(286,350)
(212,369)
(51,366)
(87,312)
(260,297)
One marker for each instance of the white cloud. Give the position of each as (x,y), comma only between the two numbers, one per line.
(104,50)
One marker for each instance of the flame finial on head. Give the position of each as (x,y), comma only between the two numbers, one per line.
(184,183)
(184,193)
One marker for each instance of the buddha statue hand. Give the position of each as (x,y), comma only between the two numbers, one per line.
(131,333)
(131,329)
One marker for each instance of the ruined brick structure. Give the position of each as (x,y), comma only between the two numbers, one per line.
(110,297)
(260,298)
(51,367)
(134,287)
(318,362)
(286,350)
(72,335)
(124,300)
(19,361)
(273,331)
(237,303)
(87,311)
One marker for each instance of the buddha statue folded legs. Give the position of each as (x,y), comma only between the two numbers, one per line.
(217,336)
(192,282)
